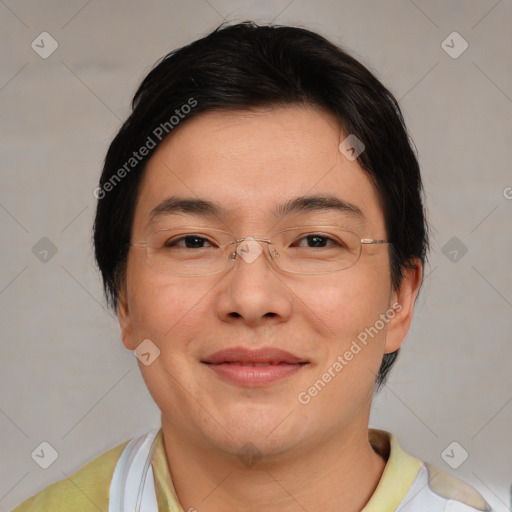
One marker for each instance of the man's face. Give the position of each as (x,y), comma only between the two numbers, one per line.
(248,164)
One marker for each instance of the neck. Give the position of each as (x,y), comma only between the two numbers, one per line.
(338,474)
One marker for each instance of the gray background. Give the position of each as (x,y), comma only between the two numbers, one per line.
(66,378)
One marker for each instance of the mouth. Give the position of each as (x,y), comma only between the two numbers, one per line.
(254,368)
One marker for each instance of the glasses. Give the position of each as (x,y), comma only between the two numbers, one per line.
(194,251)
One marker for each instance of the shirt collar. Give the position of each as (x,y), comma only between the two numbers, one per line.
(399,474)
(165,492)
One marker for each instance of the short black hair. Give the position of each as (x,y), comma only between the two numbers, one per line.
(246,66)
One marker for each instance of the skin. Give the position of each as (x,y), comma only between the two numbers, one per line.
(315,456)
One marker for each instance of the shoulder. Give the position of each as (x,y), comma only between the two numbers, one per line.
(86,490)
(410,485)
(459,494)
(435,489)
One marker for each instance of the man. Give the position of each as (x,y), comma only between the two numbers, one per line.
(261,235)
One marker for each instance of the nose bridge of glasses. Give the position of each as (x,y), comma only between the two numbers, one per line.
(249,248)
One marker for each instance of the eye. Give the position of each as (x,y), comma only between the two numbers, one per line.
(316,240)
(187,242)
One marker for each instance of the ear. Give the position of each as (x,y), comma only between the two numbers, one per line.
(402,303)
(123,315)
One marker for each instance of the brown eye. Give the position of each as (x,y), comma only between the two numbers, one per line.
(187,242)
(316,240)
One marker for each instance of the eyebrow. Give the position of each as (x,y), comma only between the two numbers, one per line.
(317,203)
(203,208)
(174,205)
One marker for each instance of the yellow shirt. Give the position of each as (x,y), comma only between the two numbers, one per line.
(88,489)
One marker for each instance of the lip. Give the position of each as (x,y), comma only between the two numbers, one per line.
(254,368)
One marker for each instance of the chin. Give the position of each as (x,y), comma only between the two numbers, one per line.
(271,430)
(251,447)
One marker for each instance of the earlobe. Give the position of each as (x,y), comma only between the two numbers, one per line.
(402,302)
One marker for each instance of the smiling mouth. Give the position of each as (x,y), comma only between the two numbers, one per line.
(254,368)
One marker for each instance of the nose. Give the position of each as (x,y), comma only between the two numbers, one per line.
(253,291)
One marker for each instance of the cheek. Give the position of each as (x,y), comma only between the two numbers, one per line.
(349,301)
(172,315)
(162,307)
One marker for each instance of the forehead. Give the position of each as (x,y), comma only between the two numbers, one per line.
(251,163)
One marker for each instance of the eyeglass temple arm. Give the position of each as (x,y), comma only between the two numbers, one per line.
(372,241)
